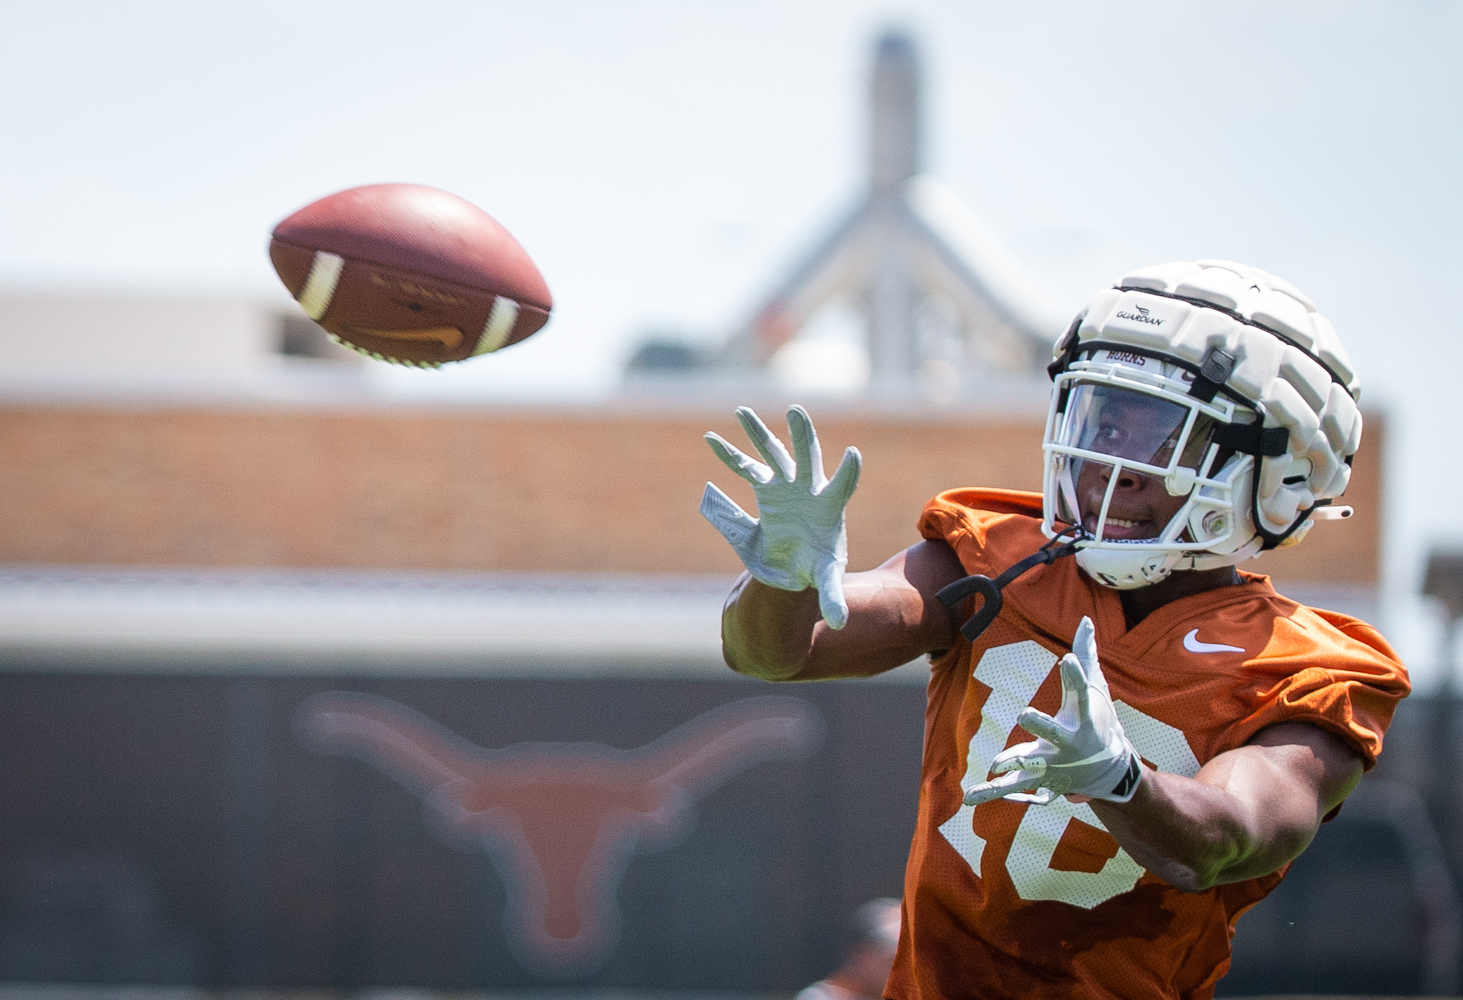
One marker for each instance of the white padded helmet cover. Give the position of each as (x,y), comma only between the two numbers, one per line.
(1286,355)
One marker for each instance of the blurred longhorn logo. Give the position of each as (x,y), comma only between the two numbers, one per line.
(561,819)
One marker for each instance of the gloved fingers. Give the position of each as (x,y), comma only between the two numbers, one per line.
(845,480)
(1074,688)
(766,443)
(1040,797)
(1084,643)
(1041,725)
(831,601)
(735,524)
(805,448)
(1084,647)
(734,459)
(1021,755)
(996,788)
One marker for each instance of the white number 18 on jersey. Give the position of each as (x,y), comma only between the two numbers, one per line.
(1014,673)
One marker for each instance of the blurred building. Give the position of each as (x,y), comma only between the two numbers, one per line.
(189,554)
(210,535)
(907,297)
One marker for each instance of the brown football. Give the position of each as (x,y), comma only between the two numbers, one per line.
(409,274)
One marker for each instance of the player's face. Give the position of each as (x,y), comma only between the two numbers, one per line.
(1140,428)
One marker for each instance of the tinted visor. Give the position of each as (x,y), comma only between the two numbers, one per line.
(1134,428)
(1133,425)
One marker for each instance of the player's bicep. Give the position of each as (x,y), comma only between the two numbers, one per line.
(894,616)
(1323,763)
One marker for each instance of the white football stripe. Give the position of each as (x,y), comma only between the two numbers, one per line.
(320,285)
(499,325)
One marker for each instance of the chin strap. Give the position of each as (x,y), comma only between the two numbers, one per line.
(954,593)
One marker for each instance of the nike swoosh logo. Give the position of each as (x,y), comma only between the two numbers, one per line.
(1193,645)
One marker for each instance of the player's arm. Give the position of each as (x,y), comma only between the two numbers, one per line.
(893,617)
(1246,812)
(794,615)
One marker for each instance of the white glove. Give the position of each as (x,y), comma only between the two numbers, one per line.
(1083,751)
(799,541)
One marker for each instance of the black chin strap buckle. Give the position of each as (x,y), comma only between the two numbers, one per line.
(956,593)
(960,590)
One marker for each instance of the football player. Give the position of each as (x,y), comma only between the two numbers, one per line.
(865,967)
(1128,739)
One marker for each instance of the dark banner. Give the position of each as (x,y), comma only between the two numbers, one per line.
(446,833)
(612,834)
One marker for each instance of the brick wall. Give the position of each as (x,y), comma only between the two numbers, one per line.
(564,490)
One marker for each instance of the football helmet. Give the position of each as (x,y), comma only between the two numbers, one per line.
(1221,383)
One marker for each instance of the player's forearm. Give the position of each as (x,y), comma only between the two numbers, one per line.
(1245,814)
(893,618)
(1190,834)
(766,632)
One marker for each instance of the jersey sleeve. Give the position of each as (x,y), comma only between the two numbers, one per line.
(965,518)
(1331,671)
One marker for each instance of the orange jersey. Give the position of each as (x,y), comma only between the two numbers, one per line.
(1016,900)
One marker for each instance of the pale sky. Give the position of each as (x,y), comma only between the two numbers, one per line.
(663,160)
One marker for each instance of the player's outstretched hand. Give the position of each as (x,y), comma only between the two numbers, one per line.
(1082,751)
(798,541)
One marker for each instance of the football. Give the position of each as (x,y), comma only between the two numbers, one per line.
(409,274)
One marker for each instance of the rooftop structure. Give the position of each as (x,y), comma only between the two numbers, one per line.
(937,306)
